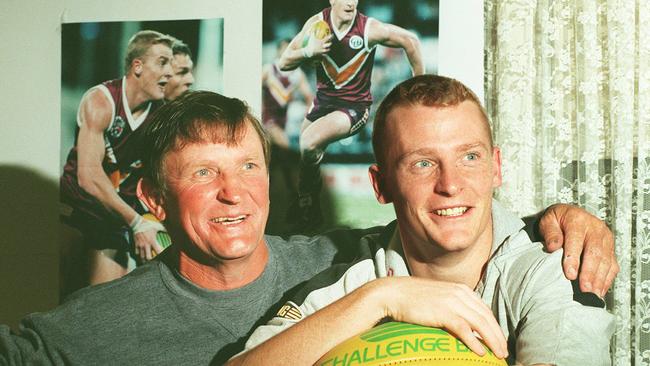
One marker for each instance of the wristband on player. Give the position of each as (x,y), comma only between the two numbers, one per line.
(307,52)
(308,49)
(139,225)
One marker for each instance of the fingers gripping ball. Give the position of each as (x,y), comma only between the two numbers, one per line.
(162,237)
(319,30)
(396,343)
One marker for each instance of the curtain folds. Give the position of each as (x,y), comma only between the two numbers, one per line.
(567,87)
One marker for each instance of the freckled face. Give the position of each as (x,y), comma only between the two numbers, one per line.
(440,173)
(218,197)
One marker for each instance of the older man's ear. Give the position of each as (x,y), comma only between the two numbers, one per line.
(496,161)
(152,198)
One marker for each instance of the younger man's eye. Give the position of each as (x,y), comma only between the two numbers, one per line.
(472,156)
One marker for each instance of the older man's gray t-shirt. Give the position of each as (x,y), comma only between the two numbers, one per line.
(155,316)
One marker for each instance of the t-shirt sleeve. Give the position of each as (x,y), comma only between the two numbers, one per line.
(27,348)
(557,326)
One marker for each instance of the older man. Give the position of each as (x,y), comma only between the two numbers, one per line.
(199,300)
(473,268)
(206,177)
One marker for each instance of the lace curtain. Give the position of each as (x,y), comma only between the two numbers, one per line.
(568,92)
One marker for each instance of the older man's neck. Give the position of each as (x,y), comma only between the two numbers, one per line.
(464,266)
(224,275)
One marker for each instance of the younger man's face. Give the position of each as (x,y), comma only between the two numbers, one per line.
(439,173)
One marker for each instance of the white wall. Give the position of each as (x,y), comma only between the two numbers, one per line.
(461,35)
(30,112)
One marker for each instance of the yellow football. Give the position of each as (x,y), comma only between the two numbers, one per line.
(319,29)
(396,343)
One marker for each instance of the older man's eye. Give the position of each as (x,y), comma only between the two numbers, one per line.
(203,173)
(423,164)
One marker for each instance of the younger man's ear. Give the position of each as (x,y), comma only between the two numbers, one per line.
(379,184)
(152,198)
(496,163)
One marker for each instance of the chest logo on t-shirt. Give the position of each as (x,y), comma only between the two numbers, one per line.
(290,311)
(117,128)
(356,42)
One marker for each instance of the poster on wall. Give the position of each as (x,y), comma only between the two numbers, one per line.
(319,100)
(114,75)
(94,52)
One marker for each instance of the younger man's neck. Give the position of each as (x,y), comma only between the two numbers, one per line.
(465,266)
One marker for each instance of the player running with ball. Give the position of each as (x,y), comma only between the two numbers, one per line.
(343,98)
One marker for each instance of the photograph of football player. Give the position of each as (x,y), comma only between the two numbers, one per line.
(108,231)
(342,42)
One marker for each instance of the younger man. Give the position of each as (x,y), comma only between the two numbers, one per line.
(469,259)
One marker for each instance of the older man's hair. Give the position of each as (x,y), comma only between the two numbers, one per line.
(195,117)
(427,90)
(140,43)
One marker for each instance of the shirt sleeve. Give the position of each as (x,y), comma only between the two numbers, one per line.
(322,290)
(556,325)
(24,349)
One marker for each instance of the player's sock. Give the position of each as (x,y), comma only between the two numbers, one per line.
(304,213)
(309,179)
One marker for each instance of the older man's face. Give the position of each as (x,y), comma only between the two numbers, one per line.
(440,172)
(218,196)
